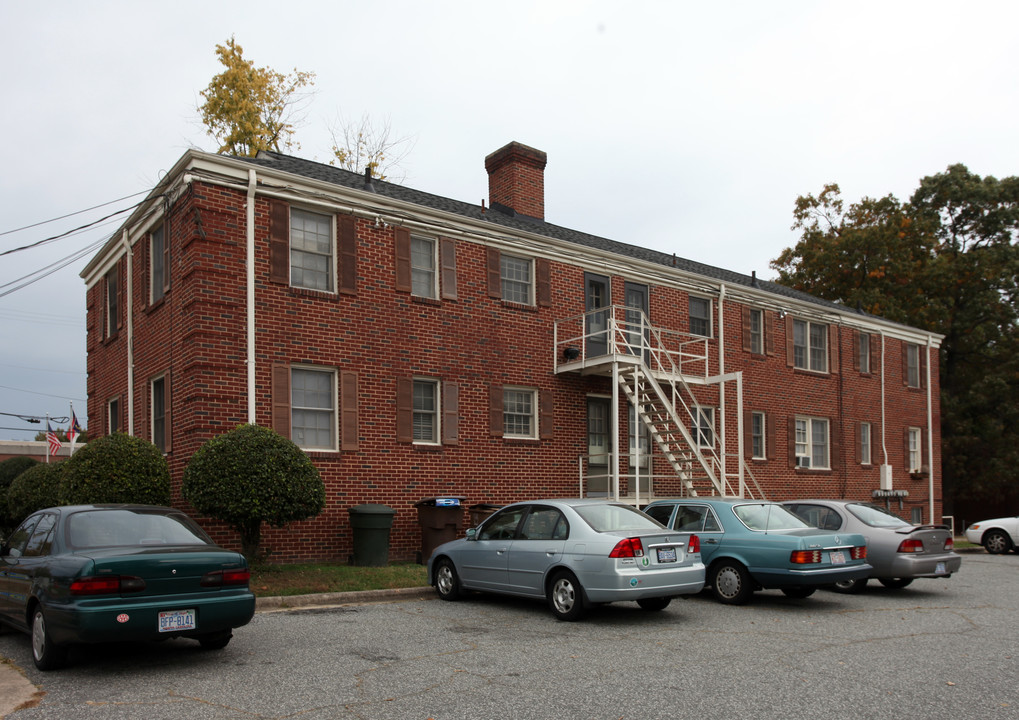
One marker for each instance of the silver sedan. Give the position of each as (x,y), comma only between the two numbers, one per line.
(898,551)
(573,553)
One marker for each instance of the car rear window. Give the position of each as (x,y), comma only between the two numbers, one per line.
(875,516)
(609,518)
(132,528)
(768,516)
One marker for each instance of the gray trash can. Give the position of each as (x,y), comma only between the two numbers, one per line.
(440,518)
(371,524)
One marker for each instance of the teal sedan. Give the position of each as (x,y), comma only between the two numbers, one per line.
(749,545)
(107,573)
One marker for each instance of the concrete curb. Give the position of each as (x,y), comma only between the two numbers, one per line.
(290,602)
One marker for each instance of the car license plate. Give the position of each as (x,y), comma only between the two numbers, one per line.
(939,569)
(838,558)
(666,555)
(176,620)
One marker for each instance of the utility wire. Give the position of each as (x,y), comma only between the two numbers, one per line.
(69,232)
(79,212)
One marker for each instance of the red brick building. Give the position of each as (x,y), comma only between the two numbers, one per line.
(418,346)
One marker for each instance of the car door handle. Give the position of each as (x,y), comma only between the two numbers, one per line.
(551,553)
(712,541)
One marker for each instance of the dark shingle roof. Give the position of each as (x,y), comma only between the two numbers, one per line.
(503,217)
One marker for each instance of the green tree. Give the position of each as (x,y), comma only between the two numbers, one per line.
(252,475)
(946,261)
(36,488)
(248,109)
(9,470)
(117,468)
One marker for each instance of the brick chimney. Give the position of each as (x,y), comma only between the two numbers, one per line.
(516,179)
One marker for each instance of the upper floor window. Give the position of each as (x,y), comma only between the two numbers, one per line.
(700,316)
(863,351)
(912,365)
(516,278)
(311,250)
(811,443)
(159,254)
(426,411)
(519,413)
(758,451)
(865,453)
(113,415)
(159,406)
(424,279)
(756,331)
(810,346)
(705,427)
(914,449)
(313,408)
(112,302)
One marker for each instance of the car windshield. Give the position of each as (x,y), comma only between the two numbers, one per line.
(875,515)
(768,516)
(122,528)
(610,517)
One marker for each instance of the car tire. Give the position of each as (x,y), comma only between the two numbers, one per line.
(895,583)
(850,587)
(654,604)
(215,641)
(565,596)
(798,592)
(447,582)
(730,582)
(996,542)
(45,654)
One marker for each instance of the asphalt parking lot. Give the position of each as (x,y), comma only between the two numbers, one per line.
(937,649)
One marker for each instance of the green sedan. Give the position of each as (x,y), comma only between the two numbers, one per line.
(108,573)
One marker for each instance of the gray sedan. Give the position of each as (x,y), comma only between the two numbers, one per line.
(897,550)
(573,553)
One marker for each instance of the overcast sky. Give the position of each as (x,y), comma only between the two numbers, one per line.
(685,127)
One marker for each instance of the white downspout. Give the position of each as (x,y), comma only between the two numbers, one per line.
(884,449)
(250,359)
(930,435)
(129,311)
(615,429)
(721,389)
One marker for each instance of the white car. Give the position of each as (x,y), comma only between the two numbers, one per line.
(997,536)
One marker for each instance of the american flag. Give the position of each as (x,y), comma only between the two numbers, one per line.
(52,439)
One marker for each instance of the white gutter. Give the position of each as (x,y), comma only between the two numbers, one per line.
(930,435)
(129,312)
(250,273)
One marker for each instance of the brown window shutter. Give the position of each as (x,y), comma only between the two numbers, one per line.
(281,399)
(401,248)
(447,260)
(144,250)
(494,275)
(834,349)
(450,413)
(792,441)
(167,414)
(347,226)
(748,432)
(875,353)
(746,328)
(543,282)
(790,356)
(834,444)
(121,294)
(279,242)
(856,349)
(769,333)
(404,410)
(546,423)
(905,449)
(922,369)
(166,256)
(905,363)
(348,409)
(859,443)
(769,430)
(495,421)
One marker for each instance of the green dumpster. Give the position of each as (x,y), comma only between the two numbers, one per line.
(371,524)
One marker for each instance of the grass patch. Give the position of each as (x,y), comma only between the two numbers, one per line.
(273,580)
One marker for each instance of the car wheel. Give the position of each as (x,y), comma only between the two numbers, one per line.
(565,596)
(895,583)
(850,586)
(730,583)
(447,584)
(46,655)
(215,641)
(798,592)
(654,604)
(997,542)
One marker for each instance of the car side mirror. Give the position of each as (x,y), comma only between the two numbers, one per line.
(472,534)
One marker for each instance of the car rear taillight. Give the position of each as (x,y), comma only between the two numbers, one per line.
(628,548)
(859,552)
(220,578)
(911,546)
(950,544)
(694,546)
(107,585)
(805,557)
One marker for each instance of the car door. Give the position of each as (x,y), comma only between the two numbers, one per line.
(483,561)
(539,543)
(700,519)
(33,563)
(10,567)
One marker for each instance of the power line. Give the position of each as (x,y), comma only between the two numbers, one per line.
(79,212)
(32,392)
(69,232)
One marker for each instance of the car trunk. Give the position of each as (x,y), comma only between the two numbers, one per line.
(164,572)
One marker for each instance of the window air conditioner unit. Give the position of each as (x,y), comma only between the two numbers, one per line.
(802,461)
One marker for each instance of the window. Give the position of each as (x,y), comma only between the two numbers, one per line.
(705,418)
(113,415)
(700,316)
(811,443)
(518,413)
(598,431)
(313,408)
(810,346)
(422,267)
(426,411)
(311,250)
(865,443)
(638,430)
(914,449)
(912,365)
(112,303)
(159,275)
(863,350)
(758,450)
(916,515)
(757,331)
(544,523)
(516,279)
(159,413)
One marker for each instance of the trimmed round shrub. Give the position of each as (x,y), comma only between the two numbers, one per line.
(117,468)
(10,469)
(252,475)
(35,489)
